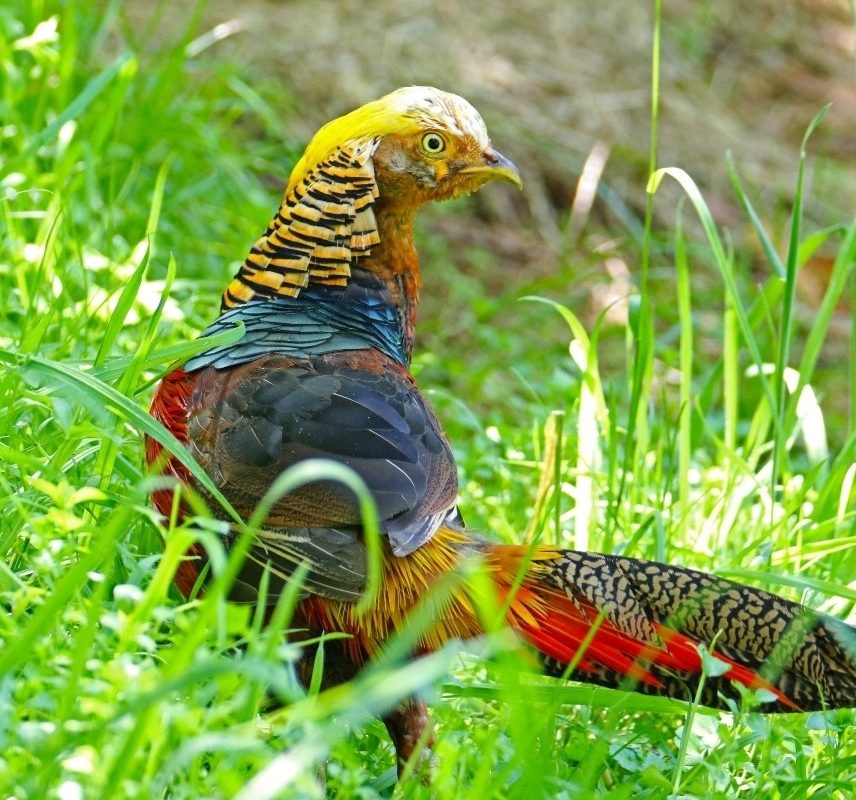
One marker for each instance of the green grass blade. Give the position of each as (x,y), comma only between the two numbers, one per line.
(17,652)
(786,319)
(766,245)
(685,317)
(842,269)
(74,110)
(77,381)
(724,264)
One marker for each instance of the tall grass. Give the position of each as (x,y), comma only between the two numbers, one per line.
(133,176)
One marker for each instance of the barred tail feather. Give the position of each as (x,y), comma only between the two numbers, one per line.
(638,625)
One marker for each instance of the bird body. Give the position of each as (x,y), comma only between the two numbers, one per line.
(328,299)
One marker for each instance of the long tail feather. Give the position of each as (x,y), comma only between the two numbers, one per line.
(649,620)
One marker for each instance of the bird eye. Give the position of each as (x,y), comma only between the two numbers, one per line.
(433,143)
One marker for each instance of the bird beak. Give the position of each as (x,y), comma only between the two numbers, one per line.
(496,167)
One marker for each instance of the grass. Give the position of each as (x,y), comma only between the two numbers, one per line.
(133,176)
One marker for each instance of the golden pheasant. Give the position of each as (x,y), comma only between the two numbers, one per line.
(328,299)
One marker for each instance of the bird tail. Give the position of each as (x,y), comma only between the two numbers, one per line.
(641,625)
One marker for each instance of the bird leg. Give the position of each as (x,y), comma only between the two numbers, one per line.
(410,729)
(408,723)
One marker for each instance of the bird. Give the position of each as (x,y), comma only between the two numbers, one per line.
(328,298)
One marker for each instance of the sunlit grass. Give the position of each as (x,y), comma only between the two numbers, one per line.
(132,180)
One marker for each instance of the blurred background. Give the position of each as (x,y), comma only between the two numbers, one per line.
(555,80)
(224,96)
(562,84)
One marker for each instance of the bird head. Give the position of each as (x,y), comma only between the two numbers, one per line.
(425,145)
(392,156)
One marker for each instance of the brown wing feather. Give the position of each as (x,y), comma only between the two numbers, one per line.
(247,425)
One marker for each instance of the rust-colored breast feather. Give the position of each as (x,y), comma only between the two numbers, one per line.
(169,407)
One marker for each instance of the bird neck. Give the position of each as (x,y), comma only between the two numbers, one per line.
(395,262)
(307,246)
(361,315)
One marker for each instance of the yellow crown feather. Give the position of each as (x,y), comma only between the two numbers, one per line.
(406,110)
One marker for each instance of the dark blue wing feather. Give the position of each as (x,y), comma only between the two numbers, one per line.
(319,322)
